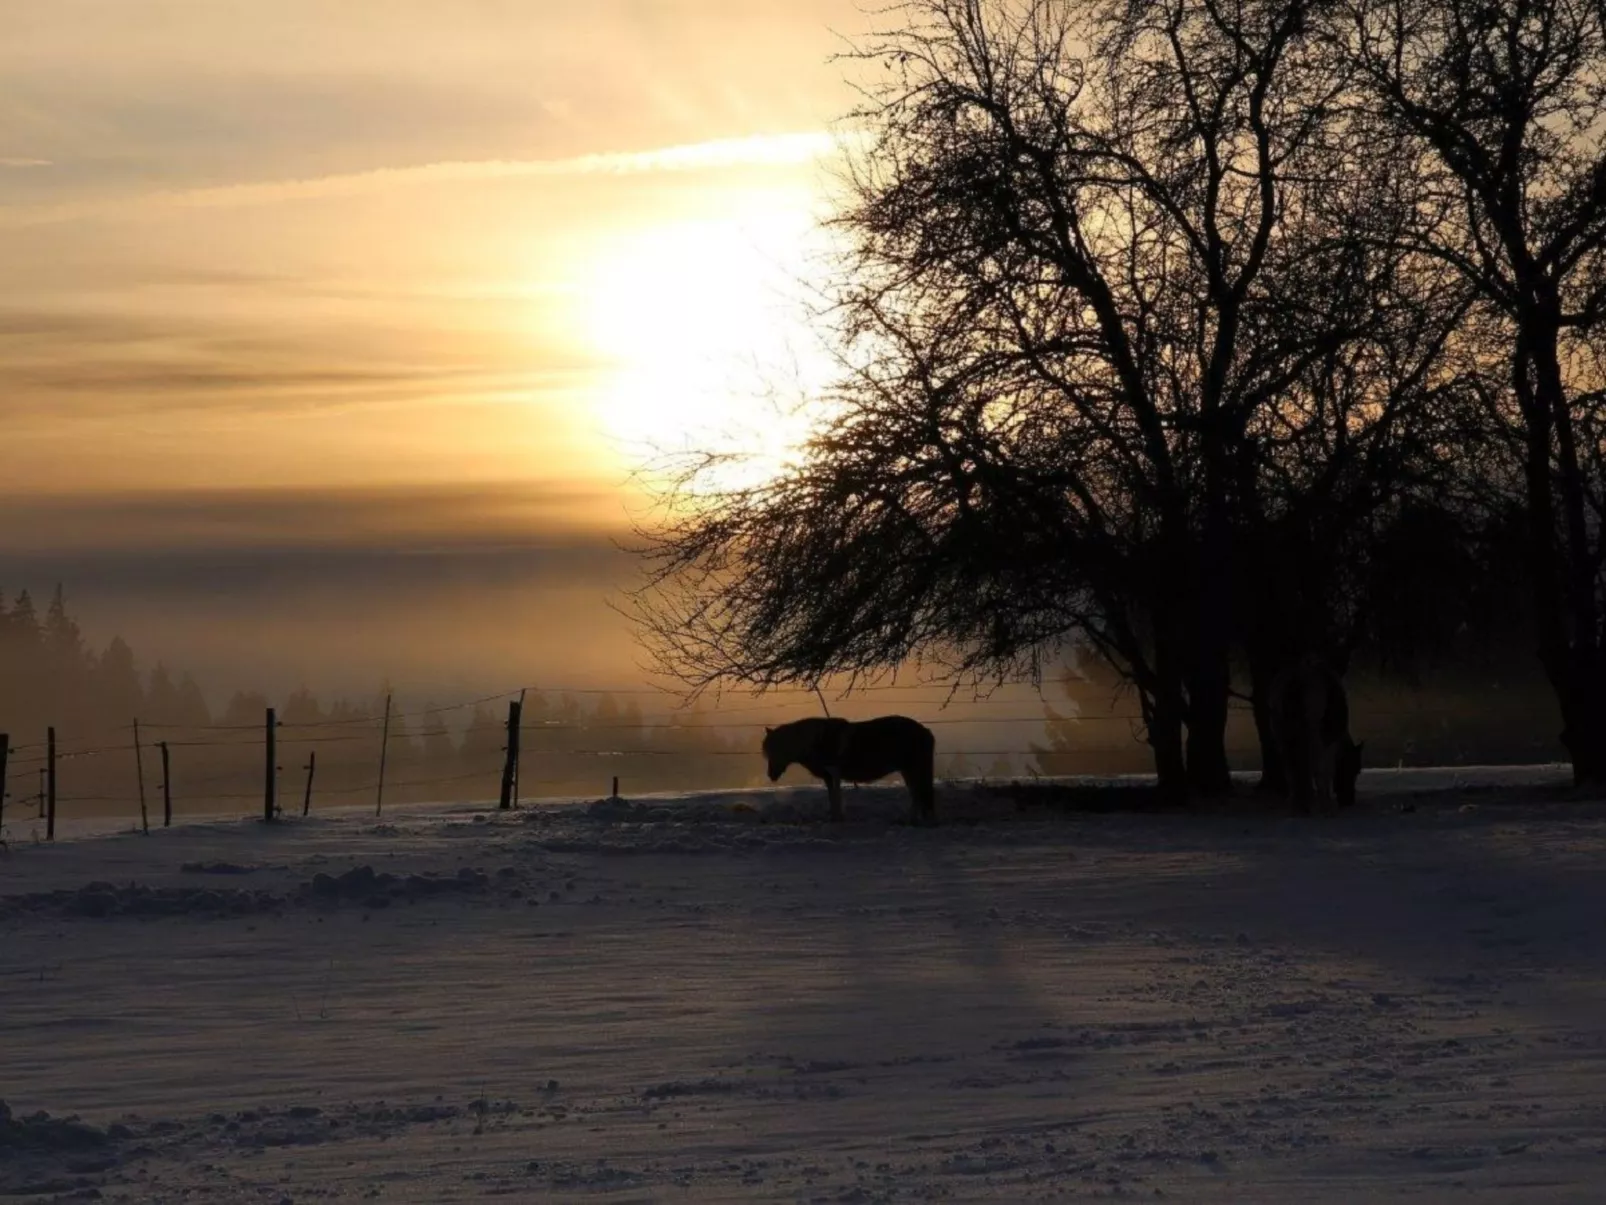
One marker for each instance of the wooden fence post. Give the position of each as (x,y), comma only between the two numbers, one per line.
(50,783)
(5,755)
(384,748)
(312,766)
(510,765)
(167,789)
(615,794)
(41,815)
(518,747)
(270,780)
(139,772)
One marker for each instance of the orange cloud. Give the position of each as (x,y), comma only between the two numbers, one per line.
(759,151)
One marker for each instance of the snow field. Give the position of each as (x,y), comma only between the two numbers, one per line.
(721,998)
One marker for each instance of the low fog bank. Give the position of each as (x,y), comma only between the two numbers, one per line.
(437,621)
(443,589)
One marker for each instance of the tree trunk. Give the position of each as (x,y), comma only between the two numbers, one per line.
(1261,614)
(1208,771)
(1209,662)
(1582,691)
(1163,713)
(1165,738)
(1271,639)
(1273,774)
(1565,601)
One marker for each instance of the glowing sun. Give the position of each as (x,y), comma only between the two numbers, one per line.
(703,324)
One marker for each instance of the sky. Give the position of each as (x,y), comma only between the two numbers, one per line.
(332,316)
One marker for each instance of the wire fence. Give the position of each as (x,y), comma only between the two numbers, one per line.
(113,740)
(208,768)
(559,749)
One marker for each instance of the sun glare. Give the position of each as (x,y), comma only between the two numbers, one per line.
(702,321)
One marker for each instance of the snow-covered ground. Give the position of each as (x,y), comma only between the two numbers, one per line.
(721,998)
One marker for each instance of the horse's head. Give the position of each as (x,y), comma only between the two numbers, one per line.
(1346,769)
(772,753)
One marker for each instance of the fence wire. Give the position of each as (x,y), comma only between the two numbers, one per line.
(383,735)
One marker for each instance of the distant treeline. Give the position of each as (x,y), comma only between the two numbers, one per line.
(572,744)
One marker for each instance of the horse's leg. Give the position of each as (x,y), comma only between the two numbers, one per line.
(1304,799)
(921,779)
(1326,771)
(1294,768)
(911,780)
(1312,777)
(833,792)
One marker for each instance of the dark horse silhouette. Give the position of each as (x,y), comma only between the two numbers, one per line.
(843,751)
(1310,722)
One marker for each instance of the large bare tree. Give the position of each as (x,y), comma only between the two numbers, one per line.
(1509,100)
(1118,295)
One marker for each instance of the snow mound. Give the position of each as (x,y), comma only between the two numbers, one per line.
(100,899)
(40,1132)
(365,885)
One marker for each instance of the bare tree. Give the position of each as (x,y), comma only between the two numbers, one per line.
(1509,98)
(1121,308)
(1111,224)
(1367,432)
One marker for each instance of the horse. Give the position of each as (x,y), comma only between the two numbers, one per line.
(845,751)
(1310,723)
